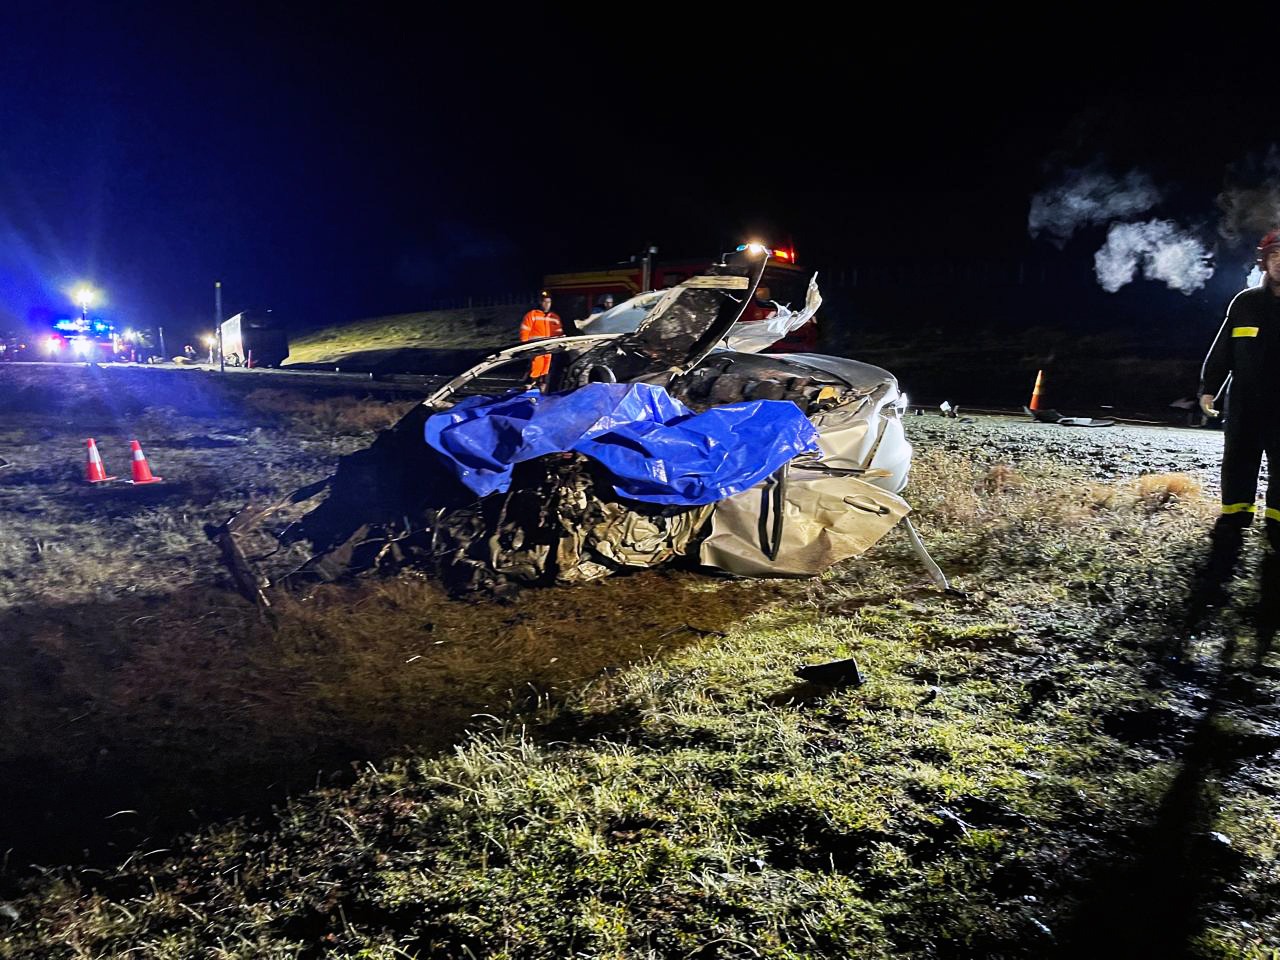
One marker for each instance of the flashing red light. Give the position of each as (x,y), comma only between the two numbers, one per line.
(787,256)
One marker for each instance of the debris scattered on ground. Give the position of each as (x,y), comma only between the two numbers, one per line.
(837,673)
(1053,416)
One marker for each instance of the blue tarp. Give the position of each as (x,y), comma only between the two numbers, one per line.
(657,449)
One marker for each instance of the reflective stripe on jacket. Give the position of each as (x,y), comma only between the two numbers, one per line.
(538,324)
(1247,347)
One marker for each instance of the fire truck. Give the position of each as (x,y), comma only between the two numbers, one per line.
(784,282)
(80,338)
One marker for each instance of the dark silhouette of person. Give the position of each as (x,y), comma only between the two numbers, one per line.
(1246,354)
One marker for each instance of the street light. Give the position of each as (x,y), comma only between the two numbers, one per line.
(217,319)
(86,296)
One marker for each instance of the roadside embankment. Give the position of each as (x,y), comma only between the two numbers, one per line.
(379,343)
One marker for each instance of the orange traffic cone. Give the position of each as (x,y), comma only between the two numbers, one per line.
(141,472)
(1035,391)
(94,471)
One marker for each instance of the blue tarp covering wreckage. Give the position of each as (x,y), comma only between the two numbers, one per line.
(656,448)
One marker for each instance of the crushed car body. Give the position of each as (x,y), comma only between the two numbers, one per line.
(653,441)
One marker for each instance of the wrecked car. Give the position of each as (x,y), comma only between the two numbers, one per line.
(663,435)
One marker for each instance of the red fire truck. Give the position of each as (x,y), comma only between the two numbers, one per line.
(784,282)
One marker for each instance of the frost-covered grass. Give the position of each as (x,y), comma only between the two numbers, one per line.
(1056,763)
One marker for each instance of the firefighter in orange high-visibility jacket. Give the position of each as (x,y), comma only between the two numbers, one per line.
(1247,352)
(538,323)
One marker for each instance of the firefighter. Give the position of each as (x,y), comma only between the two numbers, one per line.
(538,323)
(1247,352)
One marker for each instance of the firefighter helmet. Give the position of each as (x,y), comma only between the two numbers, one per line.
(1268,243)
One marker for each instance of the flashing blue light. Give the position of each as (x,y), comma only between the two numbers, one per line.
(67,325)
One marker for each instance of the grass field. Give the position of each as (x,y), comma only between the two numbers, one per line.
(471,329)
(1073,758)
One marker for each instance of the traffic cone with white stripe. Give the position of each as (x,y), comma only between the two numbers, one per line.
(1035,391)
(94,471)
(141,472)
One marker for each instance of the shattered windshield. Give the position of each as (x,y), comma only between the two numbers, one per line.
(678,330)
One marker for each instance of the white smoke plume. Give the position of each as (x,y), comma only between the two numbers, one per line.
(1250,198)
(1163,251)
(1086,197)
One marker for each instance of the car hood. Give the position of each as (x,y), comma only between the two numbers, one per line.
(679,329)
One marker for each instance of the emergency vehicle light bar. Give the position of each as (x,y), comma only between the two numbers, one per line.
(788,256)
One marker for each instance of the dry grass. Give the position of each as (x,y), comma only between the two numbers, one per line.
(999,478)
(1000,496)
(651,780)
(329,415)
(110,642)
(1163,490)
(664,783)
(441,329)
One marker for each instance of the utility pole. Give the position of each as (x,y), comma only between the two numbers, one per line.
(647,271)
(217,320)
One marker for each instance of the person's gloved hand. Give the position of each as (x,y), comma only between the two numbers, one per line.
(1206,404)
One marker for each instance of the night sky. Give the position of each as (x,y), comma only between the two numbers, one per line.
(332,163)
